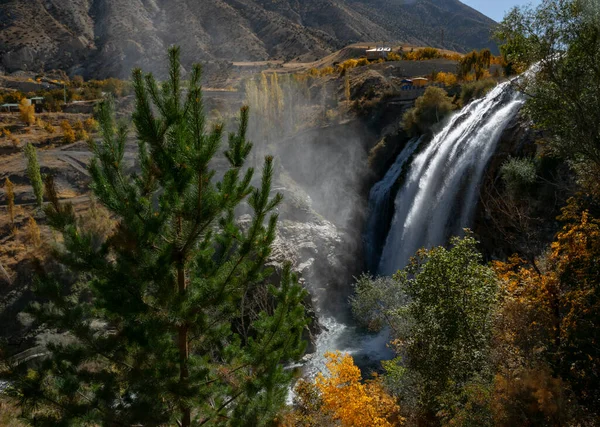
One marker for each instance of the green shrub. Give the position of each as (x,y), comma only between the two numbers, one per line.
(518,174)
(431,108)
(474,90)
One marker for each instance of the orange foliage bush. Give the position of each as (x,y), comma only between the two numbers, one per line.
(348,64)
(393,56)
(27,112)
(68,132)
(550,314)
(352,402)
(422,54)
(448,79)
(326,71)
(533,394)
(452,56)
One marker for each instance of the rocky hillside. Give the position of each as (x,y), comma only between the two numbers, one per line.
(103,38)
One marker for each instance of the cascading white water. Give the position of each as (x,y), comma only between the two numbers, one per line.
(440,192)
(379,205)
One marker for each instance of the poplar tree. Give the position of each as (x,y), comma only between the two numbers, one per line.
(172,321)
(34,174)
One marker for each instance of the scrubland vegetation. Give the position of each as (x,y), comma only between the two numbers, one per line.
(74,90)
(430,109)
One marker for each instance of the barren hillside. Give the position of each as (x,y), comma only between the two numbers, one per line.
(102,38)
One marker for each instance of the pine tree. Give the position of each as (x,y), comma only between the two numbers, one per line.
(33,173)
(172,321)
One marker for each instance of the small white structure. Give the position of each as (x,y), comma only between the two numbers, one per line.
(9,108)
(378,53)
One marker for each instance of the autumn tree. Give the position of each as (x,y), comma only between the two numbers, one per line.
(448,79)
(350,400)
(68,132)
(476,62)
(33,233)
(90,125)
(33,173)
(267,98)
(49,128)
(171,320)
(27,111)
(549,319)
(80,131)
(347,92)
(483,63)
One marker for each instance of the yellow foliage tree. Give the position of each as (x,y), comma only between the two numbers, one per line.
(326,71)
(27,112)
(313,72)
(90,124)
(33,233)
(276,98)
(448,79)
(550,314)
(347,65)
(393,56)
(13,139)
(80,133)
(49,128)
(347,91)
(423,54)
(352,402)
(68,132)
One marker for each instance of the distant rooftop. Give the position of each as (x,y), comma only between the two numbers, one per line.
(380,49)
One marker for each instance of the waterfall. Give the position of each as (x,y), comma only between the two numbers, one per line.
(381,209)
(440,192)
(437,198)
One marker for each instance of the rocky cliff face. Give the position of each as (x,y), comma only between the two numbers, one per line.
(524,223)
(103,38)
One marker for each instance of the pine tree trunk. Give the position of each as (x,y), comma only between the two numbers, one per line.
(184,374)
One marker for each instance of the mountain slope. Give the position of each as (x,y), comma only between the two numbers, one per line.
(107,37)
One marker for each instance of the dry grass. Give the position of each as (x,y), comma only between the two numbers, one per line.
(9,413)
